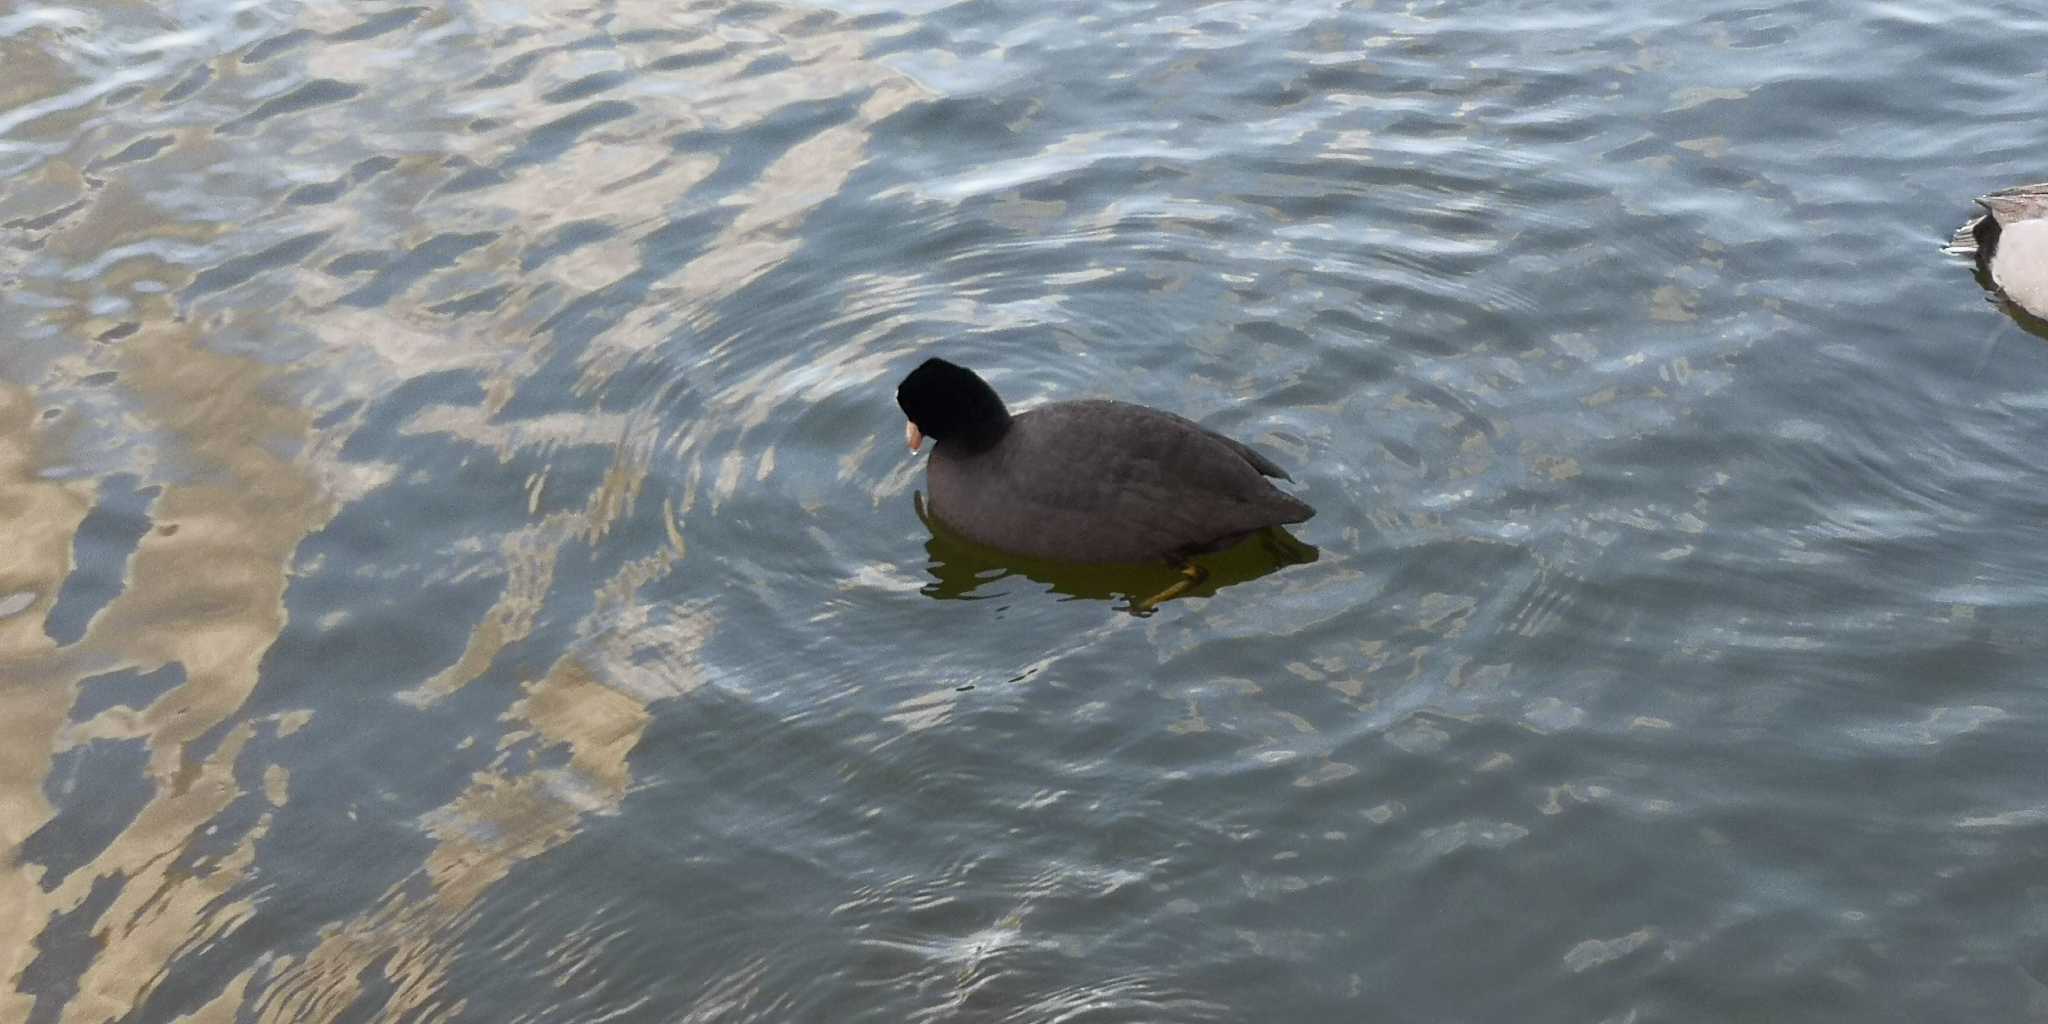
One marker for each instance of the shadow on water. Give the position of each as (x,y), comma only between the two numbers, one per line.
(2028,322)
(963,570)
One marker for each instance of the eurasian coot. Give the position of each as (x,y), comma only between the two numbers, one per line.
(1091,481)
(2009,241)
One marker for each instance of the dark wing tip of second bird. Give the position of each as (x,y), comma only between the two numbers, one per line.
(1977,237)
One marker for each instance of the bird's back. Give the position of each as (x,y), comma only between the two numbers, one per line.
(1102,481)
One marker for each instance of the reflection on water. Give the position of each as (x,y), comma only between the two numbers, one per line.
(964,570)
(215,240)
(455,566)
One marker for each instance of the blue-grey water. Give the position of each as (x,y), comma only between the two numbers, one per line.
(458,561)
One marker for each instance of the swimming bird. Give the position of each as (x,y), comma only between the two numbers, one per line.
(1090,481)
(2009,241)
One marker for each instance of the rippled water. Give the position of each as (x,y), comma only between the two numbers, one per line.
(460,564)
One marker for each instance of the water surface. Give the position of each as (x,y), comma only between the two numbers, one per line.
(460,566)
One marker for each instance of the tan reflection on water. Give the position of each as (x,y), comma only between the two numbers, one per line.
(204,589)
(503,818)
(40,517)
(246,477)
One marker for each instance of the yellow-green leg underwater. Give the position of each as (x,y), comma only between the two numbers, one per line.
(1191,575)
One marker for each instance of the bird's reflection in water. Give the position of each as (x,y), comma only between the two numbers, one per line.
(965,571)
(2028,322)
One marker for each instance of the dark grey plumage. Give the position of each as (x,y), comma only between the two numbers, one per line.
(1087,481)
